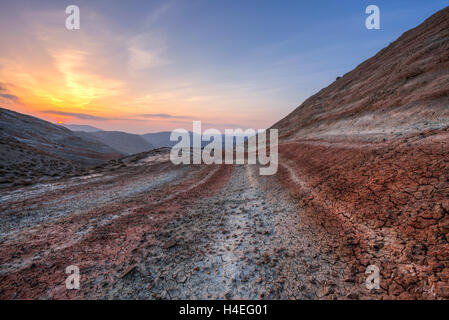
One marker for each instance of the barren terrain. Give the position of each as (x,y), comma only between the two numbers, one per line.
(363,180)
(152,230)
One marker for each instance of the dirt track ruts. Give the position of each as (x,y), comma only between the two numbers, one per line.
(154,230)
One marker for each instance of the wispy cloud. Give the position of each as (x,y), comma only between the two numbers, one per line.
(83,116)
(86,116)
(162,115)
(9,96)
(81,85)
(155,15)
(114,75)
(146,50)
(5,94)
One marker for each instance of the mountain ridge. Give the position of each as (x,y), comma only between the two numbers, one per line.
(126,143)
(81,127)
(402,88)
(367,159)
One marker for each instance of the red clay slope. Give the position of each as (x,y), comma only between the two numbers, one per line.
(368,159)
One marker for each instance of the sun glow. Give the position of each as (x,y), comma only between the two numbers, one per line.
(108,79)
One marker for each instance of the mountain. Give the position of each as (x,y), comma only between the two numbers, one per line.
(402,89)
(159,139)
(126,143)
(367,158)
(162,139)
(32,148)
(81,127)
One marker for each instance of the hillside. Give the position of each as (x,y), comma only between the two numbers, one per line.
(368,159)
(126,143)
(403,89)
(32,148)
(159,139)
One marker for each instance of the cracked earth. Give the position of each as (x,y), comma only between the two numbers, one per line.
(151,230)
(146,229)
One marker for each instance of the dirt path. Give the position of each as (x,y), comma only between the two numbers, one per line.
(241,243)
(154,231)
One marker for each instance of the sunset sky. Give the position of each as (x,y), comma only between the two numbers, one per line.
(147,66)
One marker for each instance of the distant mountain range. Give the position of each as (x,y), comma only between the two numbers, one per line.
(125,143)
(128,143)
(34,148)
(159,139)
(81,127)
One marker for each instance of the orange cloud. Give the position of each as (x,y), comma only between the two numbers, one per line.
(74,75)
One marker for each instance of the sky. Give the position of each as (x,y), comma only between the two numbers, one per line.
(148,66)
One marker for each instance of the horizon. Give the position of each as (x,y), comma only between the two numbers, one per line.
(146,67)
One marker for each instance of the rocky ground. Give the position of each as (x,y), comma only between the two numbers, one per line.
(386,202)
(141,228)
(150,230)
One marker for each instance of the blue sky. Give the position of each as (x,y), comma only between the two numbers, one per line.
(227,63)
